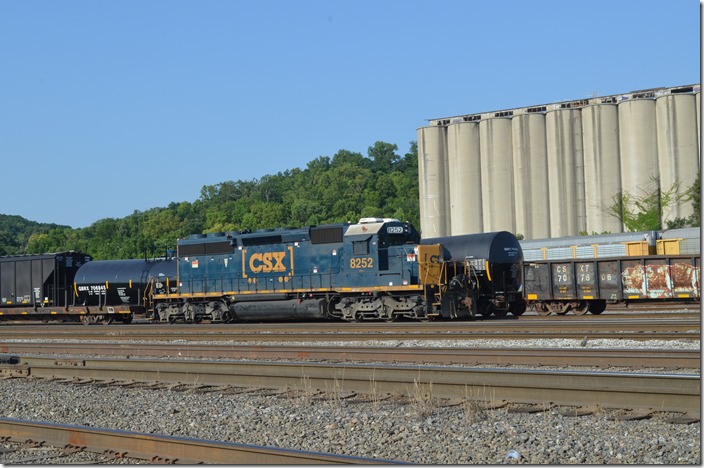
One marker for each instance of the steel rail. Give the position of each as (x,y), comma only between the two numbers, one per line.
(605,358)
(631,314)
(626,329)
(166,449)
(606,389)
(650,322)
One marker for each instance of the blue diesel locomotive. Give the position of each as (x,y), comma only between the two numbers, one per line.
(376,269)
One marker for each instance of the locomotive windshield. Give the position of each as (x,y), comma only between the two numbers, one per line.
(398,234)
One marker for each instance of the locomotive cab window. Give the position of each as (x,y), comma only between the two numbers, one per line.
(360,247)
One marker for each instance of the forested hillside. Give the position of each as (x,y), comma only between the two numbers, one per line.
(15,232)
(342,188)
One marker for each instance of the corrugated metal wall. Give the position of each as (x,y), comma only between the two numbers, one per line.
(554,170)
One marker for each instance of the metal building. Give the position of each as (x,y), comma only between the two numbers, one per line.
(557,169)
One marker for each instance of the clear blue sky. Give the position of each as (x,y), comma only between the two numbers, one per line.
(107,107)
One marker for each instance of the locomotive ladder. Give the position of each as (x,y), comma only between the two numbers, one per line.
(443,284)
(148,299)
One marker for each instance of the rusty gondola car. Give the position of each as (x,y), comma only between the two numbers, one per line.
(587,285)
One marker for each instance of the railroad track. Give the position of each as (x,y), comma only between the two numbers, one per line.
(603,358)
(107,444)
(661,392)
(635,329)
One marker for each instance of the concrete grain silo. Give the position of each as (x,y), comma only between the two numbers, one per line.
(602,170)
(432,175)
(530,167)
(565,172)
(678,154)
(556,170)
(464,176)
(497,175)
(697,96)
(638,144)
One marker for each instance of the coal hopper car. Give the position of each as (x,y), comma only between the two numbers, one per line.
(38,287)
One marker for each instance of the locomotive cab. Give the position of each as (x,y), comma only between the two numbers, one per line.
(378,276)
(378,247)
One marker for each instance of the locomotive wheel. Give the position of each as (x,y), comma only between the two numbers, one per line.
(390,319)
(227,317)
(127,319)
(172,319)
(106,319)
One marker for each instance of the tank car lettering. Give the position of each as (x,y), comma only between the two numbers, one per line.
(91,288)
(511,251)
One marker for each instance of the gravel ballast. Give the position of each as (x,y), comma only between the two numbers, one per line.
(387,430)
(409,431)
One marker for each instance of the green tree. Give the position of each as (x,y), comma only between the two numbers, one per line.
(342,188)
(384,156)
(696,194)
(643,211)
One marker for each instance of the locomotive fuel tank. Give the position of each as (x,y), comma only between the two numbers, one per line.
(283,309)
(123,282)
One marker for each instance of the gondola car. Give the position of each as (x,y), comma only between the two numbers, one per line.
(587,285)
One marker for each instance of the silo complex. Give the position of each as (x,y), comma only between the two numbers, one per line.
(558,169)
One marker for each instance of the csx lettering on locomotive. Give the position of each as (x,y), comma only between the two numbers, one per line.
(267,262)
